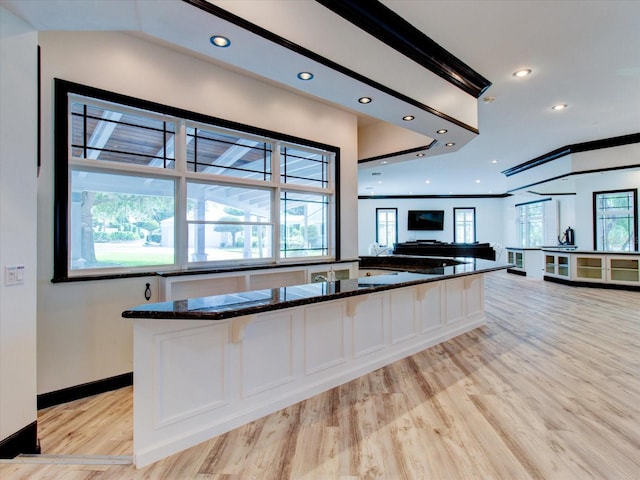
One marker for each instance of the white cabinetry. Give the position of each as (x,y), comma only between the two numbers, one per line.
(589,268)
(196,379)
(593,267)
(527,261)
(623,270)
(557,265)
(516,257)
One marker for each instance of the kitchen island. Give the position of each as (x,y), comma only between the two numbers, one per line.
(206,365)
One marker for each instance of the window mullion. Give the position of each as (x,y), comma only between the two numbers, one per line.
(181,227)
(275,204)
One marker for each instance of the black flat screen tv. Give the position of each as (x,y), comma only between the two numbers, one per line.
(425,220)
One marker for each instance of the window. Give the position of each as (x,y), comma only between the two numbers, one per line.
(537,223)
(615,219)
(386,226)
(142,187)
(464,220)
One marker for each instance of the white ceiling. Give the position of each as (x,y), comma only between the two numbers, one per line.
(584,54)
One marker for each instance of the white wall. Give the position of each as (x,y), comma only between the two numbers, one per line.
(489,226)
(81,336)
(18,179)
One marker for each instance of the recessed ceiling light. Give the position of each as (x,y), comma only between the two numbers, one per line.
(384,162)
(305,75)
(427,181)
(220,41)
(525,72)
(560,106)
(419,154)
(380,182)
(408,118)
(441,131)
(365,100)
(477,181)
(450,144)
(494,161)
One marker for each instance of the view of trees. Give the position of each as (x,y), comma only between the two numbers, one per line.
(117,217)
(615,221)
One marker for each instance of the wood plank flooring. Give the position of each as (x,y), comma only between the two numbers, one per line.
(549,389)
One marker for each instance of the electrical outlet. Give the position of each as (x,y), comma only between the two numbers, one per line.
(13,275)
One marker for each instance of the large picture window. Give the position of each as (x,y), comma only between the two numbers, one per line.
(615,219)
(142,187)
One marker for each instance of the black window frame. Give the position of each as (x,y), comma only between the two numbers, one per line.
(61,91)
(635,215)
(475,234)
(377,211)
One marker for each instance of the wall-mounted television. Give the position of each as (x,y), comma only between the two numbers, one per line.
(425,220)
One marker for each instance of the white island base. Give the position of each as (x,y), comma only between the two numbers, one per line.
(196,379)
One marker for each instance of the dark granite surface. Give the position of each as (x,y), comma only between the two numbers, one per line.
(586,252)
(219,307)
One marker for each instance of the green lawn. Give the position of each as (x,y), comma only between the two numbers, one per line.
(135,258)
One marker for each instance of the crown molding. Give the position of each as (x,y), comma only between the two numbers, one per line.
(390,28)
(575,148)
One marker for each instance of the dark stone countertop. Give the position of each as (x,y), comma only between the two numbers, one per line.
(220,307)
(586,252)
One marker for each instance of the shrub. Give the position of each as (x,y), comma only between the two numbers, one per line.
(122,236)
(100,237)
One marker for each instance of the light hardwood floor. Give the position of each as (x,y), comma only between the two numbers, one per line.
(549,389)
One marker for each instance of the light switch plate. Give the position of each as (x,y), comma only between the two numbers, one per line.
(13,275)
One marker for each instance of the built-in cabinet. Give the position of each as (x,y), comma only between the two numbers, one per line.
(526,261)
(557,265)
(593,267)
(590,268)
(516,257)
(623,270)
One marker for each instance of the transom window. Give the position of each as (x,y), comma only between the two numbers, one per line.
(615,219)
(142,187)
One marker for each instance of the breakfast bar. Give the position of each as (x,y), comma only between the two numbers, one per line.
(206,365)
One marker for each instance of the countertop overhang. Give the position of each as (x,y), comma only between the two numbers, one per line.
(220,307)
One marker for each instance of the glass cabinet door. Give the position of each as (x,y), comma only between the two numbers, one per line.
(590,268)
(623,270)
